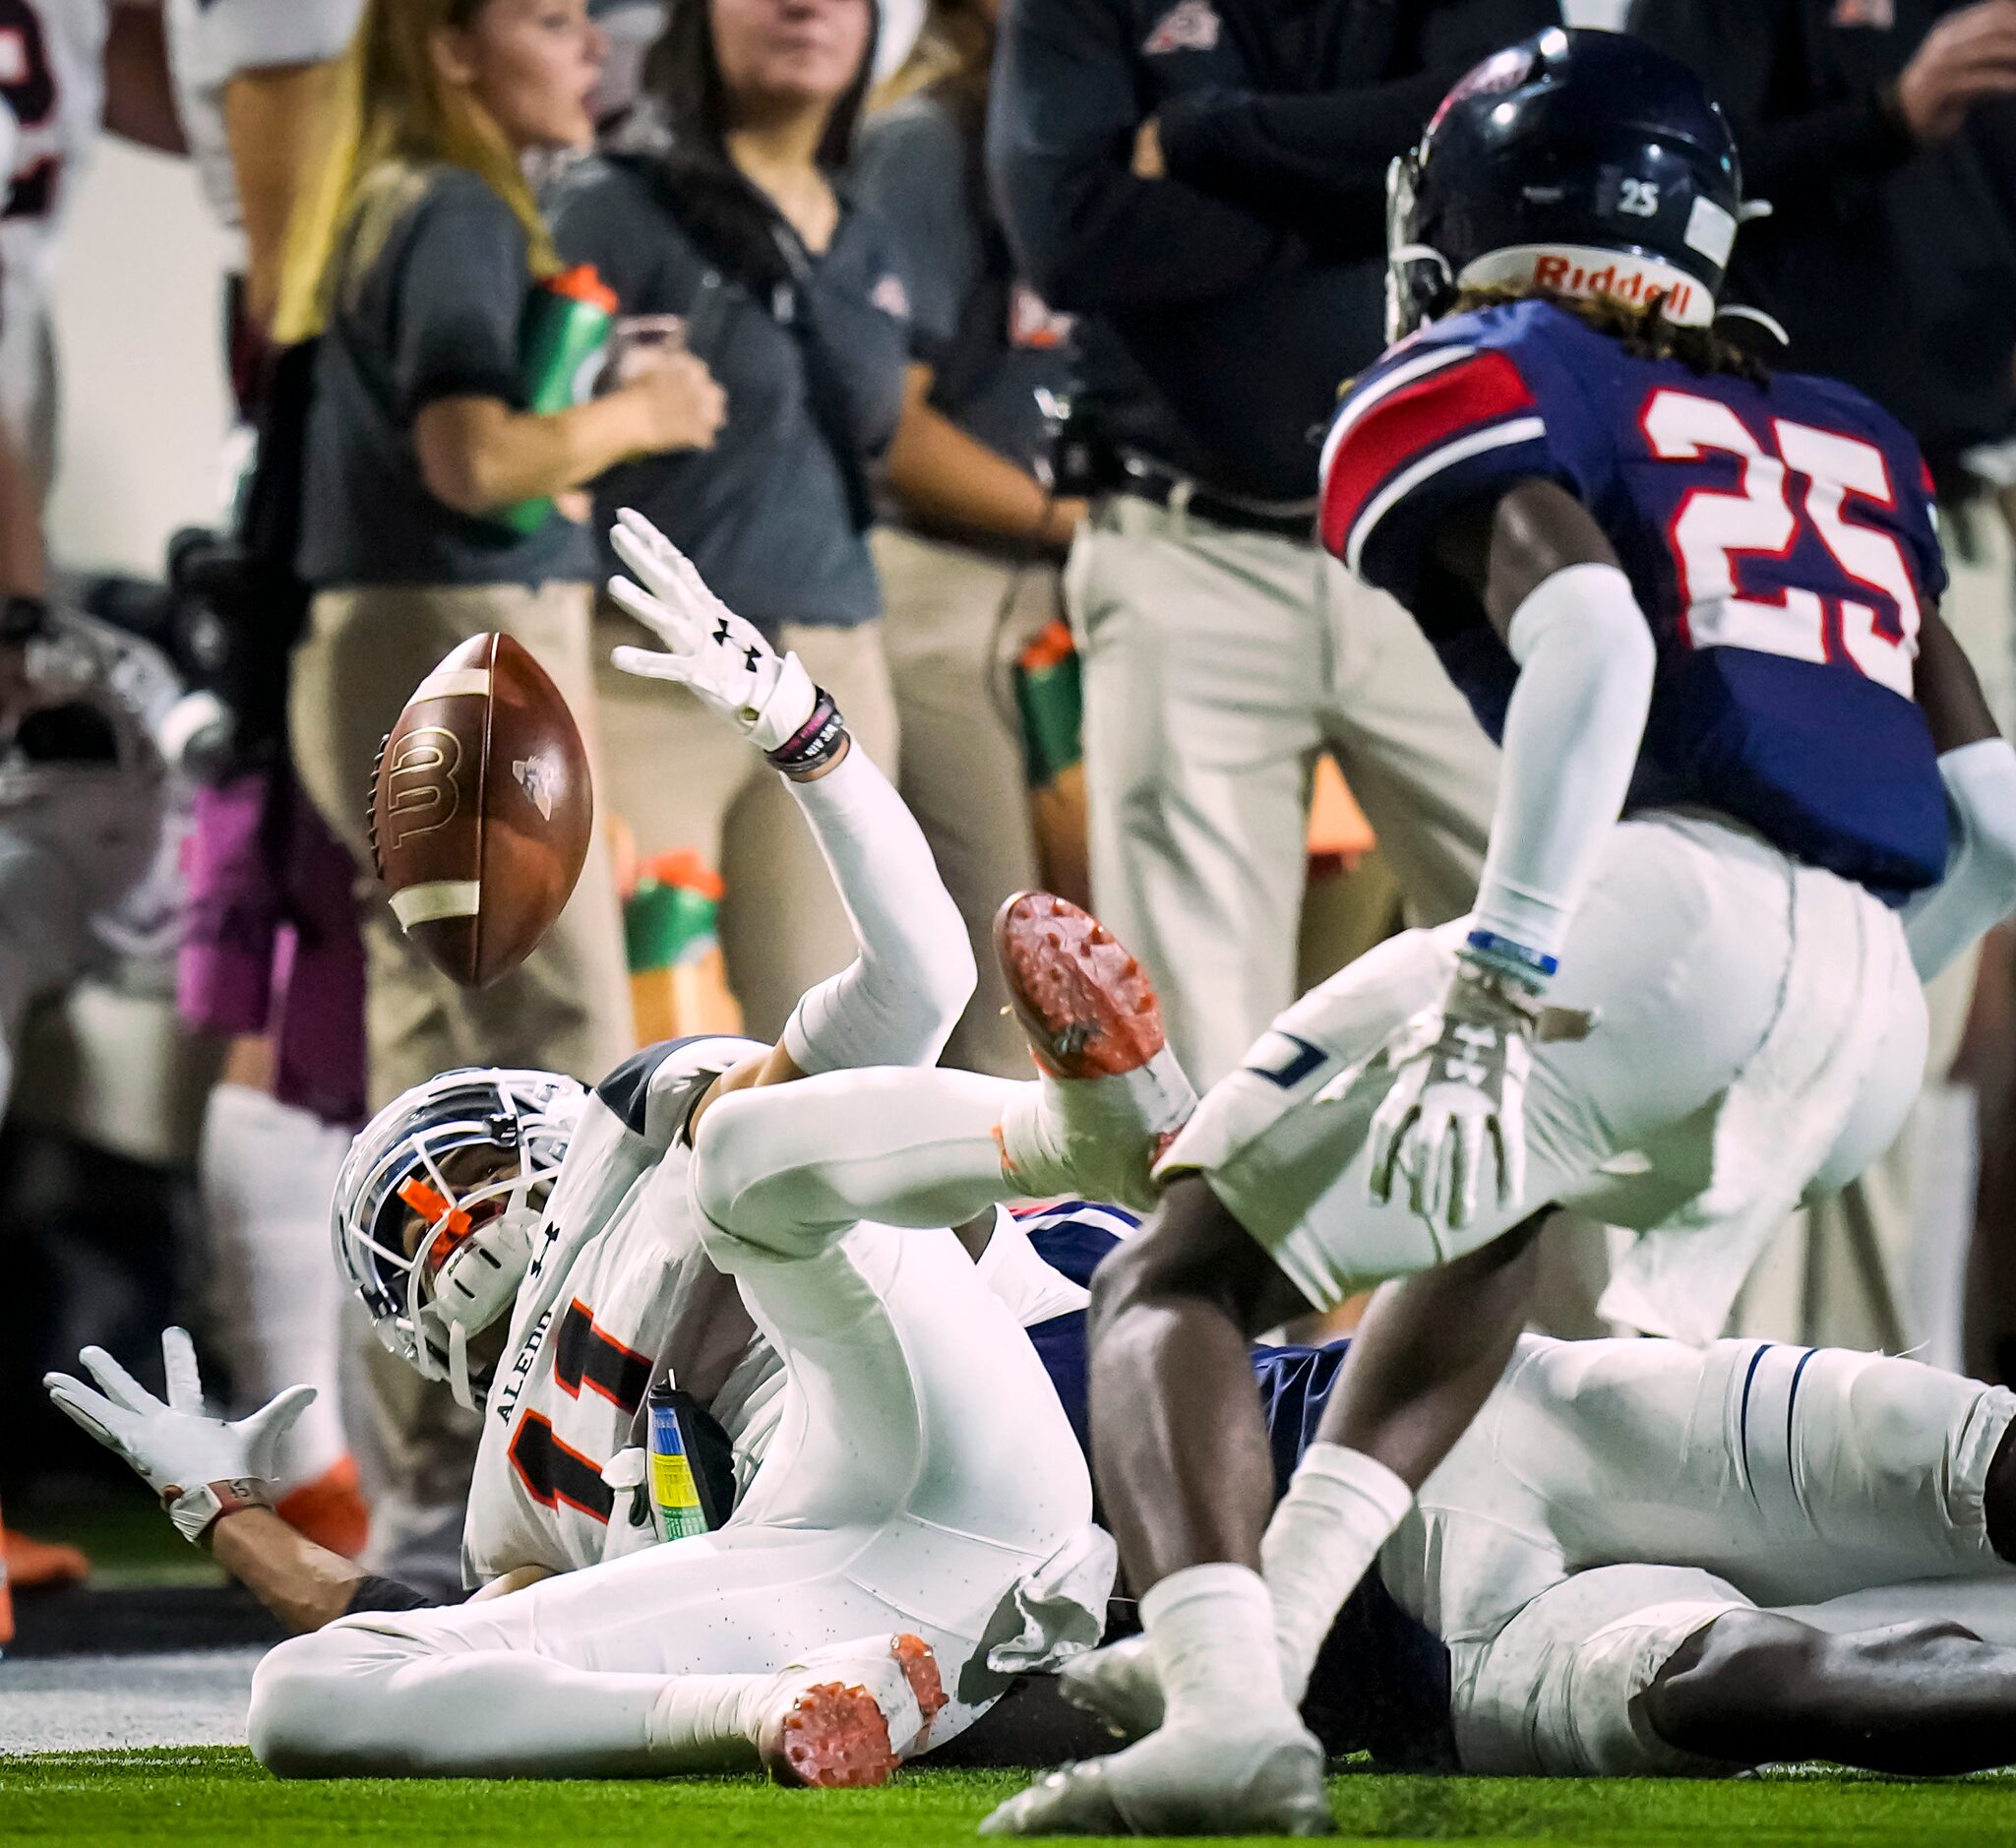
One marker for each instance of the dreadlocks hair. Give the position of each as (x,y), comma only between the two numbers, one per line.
(1640,328)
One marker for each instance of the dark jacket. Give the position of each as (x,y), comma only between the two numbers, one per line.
(1891,268)
(1226,303)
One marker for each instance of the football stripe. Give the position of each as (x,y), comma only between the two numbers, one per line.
(452,683)
(437,899)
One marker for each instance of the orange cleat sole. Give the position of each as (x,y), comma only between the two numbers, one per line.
(919,1663)
(1087,1005)
(836,1737)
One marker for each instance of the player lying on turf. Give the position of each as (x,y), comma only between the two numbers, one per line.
(1675,587)
(917,1475)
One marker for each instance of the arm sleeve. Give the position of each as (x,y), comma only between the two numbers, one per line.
(273,34)
(1328,153)
(911,172)
(461,287)
(1745,51)
(1060,133)
(1980,888)
(1572,737)
(1425,432)
(898,1001)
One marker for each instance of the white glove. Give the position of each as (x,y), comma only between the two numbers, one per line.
(1459,1085)
(177,1446)
(709,648)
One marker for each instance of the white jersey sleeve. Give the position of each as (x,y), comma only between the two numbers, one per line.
(213,42)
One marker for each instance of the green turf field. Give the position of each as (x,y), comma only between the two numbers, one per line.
(181,1799)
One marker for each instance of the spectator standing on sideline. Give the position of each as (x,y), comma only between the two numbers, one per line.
(1883,133)
(1203,183)
(271,961)
(968,549)
(723,209)
(415,260)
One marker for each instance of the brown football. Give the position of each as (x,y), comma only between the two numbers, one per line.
(481,810)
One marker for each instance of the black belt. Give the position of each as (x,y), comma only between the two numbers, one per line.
(1162,487)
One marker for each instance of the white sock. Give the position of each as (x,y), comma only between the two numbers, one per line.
(266,1172)
(1341,1508)
(786,1167)
(898,1001)
(1211,1634)
(709,1722)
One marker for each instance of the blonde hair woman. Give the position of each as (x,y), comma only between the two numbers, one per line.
(435,495)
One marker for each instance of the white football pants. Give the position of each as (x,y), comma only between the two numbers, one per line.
(1748,1026)
(1615,1497)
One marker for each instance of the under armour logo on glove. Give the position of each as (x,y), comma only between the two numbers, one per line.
(724,659)
(1458,1100)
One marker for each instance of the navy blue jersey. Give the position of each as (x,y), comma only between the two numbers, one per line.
(1382,1682)
(1779,538)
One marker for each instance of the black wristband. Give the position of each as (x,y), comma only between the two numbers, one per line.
(374,1593)
(815,740)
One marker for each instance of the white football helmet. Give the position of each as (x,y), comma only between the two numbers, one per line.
(473,1155)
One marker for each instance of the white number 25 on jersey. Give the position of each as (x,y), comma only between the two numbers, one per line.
(1715,531)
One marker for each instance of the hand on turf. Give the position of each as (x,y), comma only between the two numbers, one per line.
(175,1445)
(724,659)
(1458,1100)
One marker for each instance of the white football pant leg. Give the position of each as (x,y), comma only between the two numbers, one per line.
(1678,958)
(352,1699)
(786,1167)
(266,1171)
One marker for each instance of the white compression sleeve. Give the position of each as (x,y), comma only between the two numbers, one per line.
(898,1001)
(1571,739)
(1980,888)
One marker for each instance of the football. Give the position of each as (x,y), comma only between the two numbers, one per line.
(481,810)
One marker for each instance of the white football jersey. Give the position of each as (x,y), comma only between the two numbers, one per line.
(619,1290)
(52,87)
(212,41)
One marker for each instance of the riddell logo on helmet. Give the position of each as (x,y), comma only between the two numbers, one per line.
(1624,281)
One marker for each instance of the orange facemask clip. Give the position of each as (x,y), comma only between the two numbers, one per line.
(429,1204)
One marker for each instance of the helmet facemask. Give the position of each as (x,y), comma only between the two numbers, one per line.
(1420,284)
(439,1206)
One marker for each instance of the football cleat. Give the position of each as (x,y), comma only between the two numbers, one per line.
(1194,1779)
(1111,1095)
(844,1718)
(1118,1686)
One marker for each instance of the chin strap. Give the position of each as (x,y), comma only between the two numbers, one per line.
(458,1367)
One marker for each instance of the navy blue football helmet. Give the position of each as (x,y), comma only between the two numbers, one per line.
(1582,161)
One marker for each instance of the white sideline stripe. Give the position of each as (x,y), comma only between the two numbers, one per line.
(1478,443)
(450,683)
(1418,367)
(437,899)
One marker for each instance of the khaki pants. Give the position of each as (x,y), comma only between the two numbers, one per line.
(683,776)
(958,618)
(566,1008)
(1218,665)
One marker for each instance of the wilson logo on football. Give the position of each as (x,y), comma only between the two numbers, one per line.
(420,787)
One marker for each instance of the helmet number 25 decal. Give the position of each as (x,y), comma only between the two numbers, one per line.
(1871,622)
